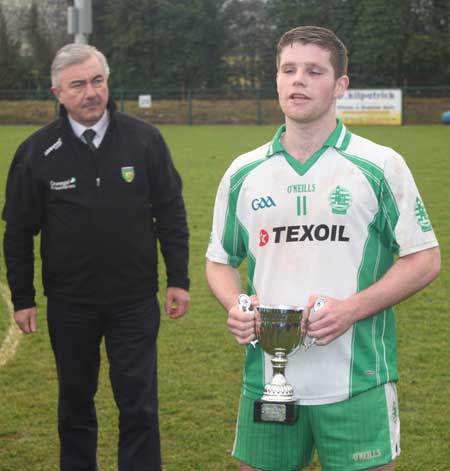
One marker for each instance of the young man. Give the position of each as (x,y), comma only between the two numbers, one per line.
(101,189)
(320,211)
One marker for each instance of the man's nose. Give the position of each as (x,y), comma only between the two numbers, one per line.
(300,77)
(90,90)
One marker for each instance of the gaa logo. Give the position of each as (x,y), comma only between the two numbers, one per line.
(261,203)
(263,237)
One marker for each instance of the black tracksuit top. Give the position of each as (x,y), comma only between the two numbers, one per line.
(99,214)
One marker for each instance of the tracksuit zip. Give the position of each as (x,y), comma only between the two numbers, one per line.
(97,176)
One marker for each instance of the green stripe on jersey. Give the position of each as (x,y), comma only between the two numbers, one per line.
(251,260)
(388,217)
(236,243)
(346,140)
(374,339)
(232,239)
(254,380)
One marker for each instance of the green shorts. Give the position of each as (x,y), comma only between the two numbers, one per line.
(359,433)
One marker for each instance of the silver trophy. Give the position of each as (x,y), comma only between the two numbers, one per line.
(281,331)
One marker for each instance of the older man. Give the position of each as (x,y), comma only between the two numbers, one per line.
(101,189)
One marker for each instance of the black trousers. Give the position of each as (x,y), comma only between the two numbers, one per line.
(130,333)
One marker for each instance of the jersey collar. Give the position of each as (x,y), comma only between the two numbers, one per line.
(339,139)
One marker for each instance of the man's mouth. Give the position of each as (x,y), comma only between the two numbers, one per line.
(91,104)
(298,96)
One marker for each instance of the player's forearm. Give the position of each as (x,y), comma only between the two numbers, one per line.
(407,276)
(224,282)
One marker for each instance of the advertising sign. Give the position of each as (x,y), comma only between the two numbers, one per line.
(377,106)
(145,101)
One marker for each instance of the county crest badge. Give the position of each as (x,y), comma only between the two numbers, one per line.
(340,200)
(422,216)
(128,174)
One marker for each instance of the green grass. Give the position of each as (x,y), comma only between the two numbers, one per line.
(200,363)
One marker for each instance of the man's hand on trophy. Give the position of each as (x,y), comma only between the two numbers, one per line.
(241,319)
(329,319)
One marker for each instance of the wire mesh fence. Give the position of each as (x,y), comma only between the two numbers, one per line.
(421,105)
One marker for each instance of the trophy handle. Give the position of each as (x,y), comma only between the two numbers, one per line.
(319,304)
(309,344)
(245,304)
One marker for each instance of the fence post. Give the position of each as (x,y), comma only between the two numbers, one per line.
(122,100)
(189,117)
(258,107)
(402,120)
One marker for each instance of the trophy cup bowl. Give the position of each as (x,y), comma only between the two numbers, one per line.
(279,332)
(279,327)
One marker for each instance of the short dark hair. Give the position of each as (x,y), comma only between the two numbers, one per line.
(322,37)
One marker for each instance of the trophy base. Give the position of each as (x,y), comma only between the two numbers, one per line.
(275,412)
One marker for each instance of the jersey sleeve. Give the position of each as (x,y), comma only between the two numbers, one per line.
(226,244)
(406,217)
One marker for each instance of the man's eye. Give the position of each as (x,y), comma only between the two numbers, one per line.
(98,81)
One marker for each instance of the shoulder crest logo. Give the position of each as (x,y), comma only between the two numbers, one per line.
(56,145)
(340,200)
(128,174)
(422,216)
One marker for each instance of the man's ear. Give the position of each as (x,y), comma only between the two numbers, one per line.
(342,84)
(57,92)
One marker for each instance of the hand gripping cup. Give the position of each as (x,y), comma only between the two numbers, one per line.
(281,331)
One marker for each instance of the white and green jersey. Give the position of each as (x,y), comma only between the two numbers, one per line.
(331,226)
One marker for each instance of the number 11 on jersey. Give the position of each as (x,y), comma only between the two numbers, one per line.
(301,205)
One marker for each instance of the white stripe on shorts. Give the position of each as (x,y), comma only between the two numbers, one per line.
(390,391)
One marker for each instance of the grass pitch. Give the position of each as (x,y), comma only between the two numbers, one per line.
(200,363)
